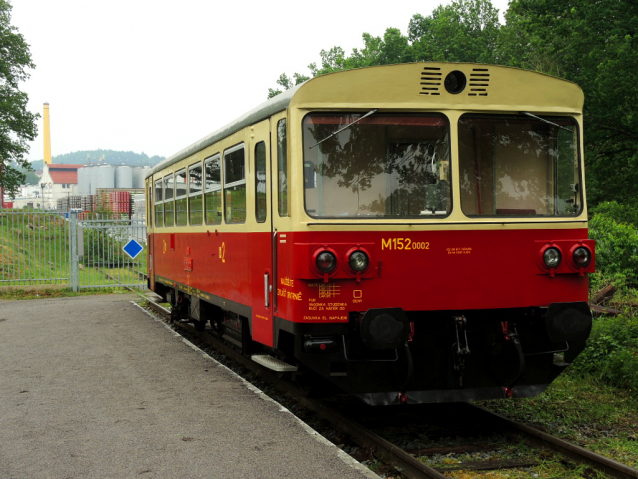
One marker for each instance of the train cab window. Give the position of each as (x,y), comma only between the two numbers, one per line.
(195,200)
(159,203)
(169,200)
(363,165)
(181,201)
(518,165)
(235,184)
(261,205)
(282,168)
(213,190)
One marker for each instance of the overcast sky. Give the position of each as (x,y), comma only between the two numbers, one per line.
(154,76)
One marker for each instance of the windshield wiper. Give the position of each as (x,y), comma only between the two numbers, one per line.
(546,121)
(344,128)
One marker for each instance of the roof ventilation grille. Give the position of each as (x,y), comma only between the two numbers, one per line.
(430,81)
(479,82)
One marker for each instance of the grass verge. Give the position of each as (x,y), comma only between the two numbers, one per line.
(19,294)
(584,411)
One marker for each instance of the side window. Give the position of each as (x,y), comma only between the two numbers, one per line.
(213,190)
(261,206)
(195,200)
(181,201)
(235,185)
(282,167)
(169,200)
(159,204)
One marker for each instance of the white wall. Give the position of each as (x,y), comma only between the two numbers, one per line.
(53,192)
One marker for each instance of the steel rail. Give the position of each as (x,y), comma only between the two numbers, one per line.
(572,451)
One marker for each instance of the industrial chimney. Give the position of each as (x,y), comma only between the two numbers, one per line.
(47,135)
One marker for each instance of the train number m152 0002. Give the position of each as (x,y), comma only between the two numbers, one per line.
(406,244)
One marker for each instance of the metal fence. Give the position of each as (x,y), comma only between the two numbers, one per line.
(34,248)
(102,260)
(41,248)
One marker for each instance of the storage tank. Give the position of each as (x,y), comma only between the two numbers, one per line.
(105,177)
(123,177)
(84,181)
(139,175)
(93,173)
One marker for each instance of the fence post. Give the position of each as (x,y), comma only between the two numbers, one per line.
(73,266)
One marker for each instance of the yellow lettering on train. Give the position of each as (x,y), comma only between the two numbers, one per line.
(403,244)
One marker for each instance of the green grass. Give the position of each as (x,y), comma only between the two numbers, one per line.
(32,247)
(20,294)
(34,250)
(580,409)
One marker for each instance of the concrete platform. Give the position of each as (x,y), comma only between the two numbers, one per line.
(93,387)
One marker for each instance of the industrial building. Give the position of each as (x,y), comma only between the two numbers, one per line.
(61,182)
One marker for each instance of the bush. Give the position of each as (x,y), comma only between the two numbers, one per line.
(616,251)
(611,355)
(624,214)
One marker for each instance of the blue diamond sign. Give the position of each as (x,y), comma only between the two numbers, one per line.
(132,248)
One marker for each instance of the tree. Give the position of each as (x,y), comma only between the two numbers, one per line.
(287,83)
(17,124)
(392,48)
(594,44)
(463,31)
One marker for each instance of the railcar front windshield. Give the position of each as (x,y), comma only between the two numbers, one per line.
(382,166)
(519,166)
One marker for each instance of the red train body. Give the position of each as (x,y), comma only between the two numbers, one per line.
(478,291)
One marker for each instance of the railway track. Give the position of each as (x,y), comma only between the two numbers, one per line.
(404,461)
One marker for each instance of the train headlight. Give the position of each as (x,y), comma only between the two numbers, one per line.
(358,261)
(552,257)
(326,261)
(581,257)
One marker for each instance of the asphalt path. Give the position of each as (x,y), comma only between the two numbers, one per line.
(94,387)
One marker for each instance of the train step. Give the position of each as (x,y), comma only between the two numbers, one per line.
(273,363)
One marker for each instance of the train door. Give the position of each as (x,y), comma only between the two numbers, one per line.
(149,235)
(261,243)
(281,197)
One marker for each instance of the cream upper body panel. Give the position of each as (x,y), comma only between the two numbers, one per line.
(394,89)
(398,87)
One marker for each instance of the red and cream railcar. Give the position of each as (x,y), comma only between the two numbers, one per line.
(409,233)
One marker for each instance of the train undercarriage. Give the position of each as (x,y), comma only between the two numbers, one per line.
(388,356)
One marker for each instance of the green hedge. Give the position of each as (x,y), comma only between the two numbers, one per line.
(613,226)
(611,355)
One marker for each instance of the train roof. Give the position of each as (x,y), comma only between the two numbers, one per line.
(263,111)
(401,86)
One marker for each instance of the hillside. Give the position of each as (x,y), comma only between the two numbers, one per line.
(110,157)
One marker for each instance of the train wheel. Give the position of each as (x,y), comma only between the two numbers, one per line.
(310,384)
(175,315)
